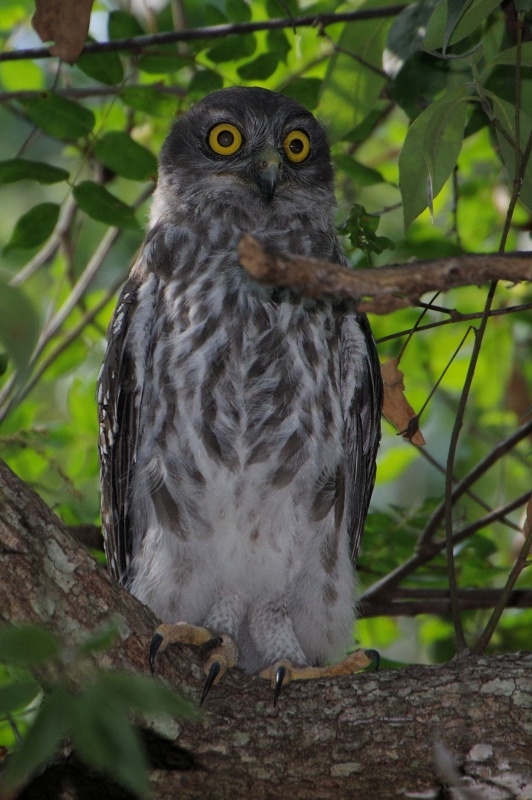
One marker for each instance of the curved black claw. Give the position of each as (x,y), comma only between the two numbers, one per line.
(154,648)
(375,657)
(280,673)
(211,677)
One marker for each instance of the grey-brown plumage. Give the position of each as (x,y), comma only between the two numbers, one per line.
(239,423)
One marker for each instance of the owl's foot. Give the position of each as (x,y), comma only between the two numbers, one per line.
(283,672)
(223,656)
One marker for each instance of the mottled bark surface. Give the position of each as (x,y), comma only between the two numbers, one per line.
(368,736)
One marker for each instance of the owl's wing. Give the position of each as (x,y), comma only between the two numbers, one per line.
(362,396)
(119,399)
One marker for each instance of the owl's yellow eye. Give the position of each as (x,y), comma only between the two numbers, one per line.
(225,139)
(297,146)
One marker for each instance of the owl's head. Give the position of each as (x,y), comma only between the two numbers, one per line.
(260,145)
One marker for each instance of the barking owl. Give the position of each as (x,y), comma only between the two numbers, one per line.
(239,422)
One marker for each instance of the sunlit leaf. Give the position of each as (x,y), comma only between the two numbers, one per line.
(123,155)
(19,169)
(34,227)
(59,116)
(101,205)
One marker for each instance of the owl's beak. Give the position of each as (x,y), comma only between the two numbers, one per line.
(267,167)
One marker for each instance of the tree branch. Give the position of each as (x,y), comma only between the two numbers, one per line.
(138,43)
(390,288)
(320,734)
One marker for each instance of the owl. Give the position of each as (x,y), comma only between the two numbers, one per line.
(239,423)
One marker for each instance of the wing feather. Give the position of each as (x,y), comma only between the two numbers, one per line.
(119,402)
(362,396)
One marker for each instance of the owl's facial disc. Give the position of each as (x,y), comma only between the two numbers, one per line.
(267,166)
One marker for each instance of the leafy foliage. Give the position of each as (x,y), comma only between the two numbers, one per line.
(428,112)
(96,716)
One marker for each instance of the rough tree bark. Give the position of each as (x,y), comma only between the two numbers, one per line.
(367,736)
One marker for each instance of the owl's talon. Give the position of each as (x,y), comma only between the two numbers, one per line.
(280,674)
(211,678)
(156,642)
(375,658)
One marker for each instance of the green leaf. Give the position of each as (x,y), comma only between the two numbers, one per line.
(278,45)
(99,641)
(305,90)
(232,47)
(49,728)
(203,82)
(361,228)
(101,205)
(260,68)
(430,152)
(122,25)
(105,740)
(18,695)
(455,11)
(510,56)
(20,169)
(363,175)
(120,153)
(149,101)
(19,333)
(104,67)
(59,117)
(472,19)
(523,5)
(162,64)
(33,227)
(406,33)
(143,695)
(505,113)
(351,87)
(26,645)
(238,11)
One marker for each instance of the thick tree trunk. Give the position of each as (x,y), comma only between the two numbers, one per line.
(367,736)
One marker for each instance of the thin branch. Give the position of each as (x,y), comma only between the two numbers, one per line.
(480,469)
(457,316)
(422,556)
(412,602)
(92,91)
(391,288)
(424,453)
(213,32)
(520,564)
